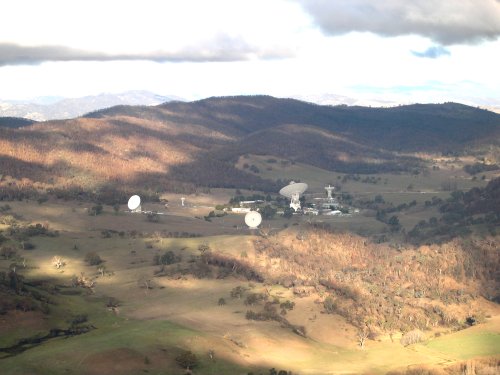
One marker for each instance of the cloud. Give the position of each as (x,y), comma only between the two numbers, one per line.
(446,22)
(219,49)
(432,52)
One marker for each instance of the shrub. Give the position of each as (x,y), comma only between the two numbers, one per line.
(287,305)
(93,259)
(329,305)
(254,298)
(95,210)
(412,337)
(187,360)
(168,258)
(7,252)
(153,217)
(237,292)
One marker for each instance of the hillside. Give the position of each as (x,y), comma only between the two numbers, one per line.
(179,146)
(15,122)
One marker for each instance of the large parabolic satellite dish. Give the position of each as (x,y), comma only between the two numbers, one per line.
(134,203)
(253,219)
(293,191)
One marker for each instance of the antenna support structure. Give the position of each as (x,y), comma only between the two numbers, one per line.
(293,191)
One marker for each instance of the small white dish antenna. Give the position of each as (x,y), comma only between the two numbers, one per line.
(253,219)
(293,191)
(134,203)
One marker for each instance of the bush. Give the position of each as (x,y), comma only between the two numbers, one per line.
(28,246)
(93,259)
(254,298)
(187,360)
(287,305)
(412,337)
(168,258)
(7,252)
(153,217)
(329,305)
(237,292)
(95,210)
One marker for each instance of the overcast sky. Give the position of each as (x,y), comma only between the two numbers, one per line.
(391,51)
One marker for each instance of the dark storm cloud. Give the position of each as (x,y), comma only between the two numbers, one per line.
(219,49)
(445,22)
(432,52)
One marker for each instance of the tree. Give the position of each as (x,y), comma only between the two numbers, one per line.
(93,259)
(7,252)
(412,337)
(168,258)
(187,360)
(394,223)
(288,212)
(96,210)
(267,212)
(362,335)
(101,269)
(203,248)
(329,305)
(58,262)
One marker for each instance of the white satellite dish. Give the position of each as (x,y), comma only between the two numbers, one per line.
(253,219)
(134,203)
(293,191)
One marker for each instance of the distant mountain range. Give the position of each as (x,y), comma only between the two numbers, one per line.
(182,145)
(53,108)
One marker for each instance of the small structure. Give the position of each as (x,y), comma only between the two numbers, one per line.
(241,210)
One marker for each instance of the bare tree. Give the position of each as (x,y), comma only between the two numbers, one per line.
(101,270)
(362,335)
(83,281)
(146,283)
(58,262)
(412,337)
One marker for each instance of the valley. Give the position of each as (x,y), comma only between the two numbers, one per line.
(404,280)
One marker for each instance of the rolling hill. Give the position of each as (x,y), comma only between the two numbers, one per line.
(180,146)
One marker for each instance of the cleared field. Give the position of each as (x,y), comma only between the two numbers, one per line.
(396,188)
(478,341)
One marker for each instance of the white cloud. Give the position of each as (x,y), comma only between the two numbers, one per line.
(444,21)
(186,30)
(198,48)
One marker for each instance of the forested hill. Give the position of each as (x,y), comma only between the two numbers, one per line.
(179,144)
(410,127)
(15,122)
